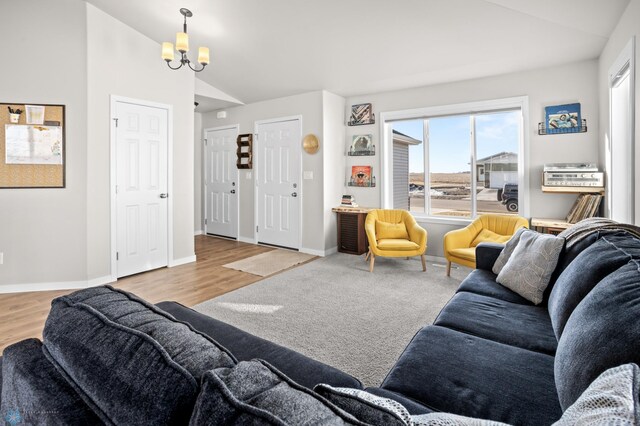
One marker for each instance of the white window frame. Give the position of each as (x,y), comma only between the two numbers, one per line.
(469,108)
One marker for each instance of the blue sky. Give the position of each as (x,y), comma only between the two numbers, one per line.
(450,140)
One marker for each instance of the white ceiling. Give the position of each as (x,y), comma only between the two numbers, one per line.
(268,49)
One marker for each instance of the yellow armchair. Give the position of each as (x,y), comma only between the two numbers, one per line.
(460,245)
(394,233)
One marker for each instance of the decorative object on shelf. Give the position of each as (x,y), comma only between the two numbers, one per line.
(32,155)
(361,115)
(586,206)
(563,119)
(348,201)
(310,144)
(182,46)
(361,176)
(244,152)
(362,145)
(14,115)
(542,129)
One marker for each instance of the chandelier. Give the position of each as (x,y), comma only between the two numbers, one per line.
(182,46)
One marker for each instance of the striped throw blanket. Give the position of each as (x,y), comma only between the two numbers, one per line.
(586,227)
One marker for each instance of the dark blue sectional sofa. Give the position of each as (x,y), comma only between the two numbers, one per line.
(490,353)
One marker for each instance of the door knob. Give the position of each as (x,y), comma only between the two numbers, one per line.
(233,191)
(295,194)
(164,195)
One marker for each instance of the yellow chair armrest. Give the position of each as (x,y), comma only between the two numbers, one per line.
(370,229)
(418,235)
(460,238)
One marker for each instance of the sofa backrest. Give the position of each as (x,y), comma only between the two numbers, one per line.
(602,332)
(592,265)
(131,362)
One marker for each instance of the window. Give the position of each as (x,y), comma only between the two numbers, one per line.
(455,165)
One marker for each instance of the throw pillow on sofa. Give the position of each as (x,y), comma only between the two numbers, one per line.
(131,362)
(611,399)
(365,406)
(529,268)
(254,392)
(507,251)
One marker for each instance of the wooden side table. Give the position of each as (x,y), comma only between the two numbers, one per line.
(352,237)
(550,226)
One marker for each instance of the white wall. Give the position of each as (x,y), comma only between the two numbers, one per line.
(570,83)
(198,225)
(123,62)
(333,150)
(43,231)
(309,106)
(628,27)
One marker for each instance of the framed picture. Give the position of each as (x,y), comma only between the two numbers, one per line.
(361,176)
(361,114)
(362,145)
(563,118)
(35,114)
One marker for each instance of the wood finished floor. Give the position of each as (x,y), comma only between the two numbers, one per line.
(22,315)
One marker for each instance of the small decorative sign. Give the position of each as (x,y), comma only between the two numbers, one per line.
(361,115)
(362,145)
(361,176)
(563,118)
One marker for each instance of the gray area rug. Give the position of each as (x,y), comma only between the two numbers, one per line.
(335,311)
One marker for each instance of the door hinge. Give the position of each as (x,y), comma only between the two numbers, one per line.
(256,228)
(116,120)
(116,189)
(117,256)
(205,220)
(205,142)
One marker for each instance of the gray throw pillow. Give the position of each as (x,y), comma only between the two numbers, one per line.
(508,249)
(446,419)
(531,264)
(254,392)
(366,407)
(612,399)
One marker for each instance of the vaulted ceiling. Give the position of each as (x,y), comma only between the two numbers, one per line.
(268,49)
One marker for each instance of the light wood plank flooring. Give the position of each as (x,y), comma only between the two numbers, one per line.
(22,315)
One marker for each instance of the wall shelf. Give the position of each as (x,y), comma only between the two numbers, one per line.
(573,189)
(542,129)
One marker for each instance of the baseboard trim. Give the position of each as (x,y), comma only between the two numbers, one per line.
(53,286)
(182,261)
(198,232)
(247,240)
(321,253)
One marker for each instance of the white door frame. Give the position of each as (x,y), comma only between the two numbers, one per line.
(626,55)
(112,177)
(256,175)
(204,178)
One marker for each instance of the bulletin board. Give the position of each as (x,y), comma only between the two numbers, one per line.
(32,146)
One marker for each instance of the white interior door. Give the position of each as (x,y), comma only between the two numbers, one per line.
(141,188)
(221,182)
(278,184)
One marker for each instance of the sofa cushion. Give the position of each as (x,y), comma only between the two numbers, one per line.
(529,268)
(253,393)
(412,406)
(447,370)
(366,407)
(245,347)
(507,251)
(397,244)
(588,269)
(35,393)
(484,283)
(131,362)
(464,253)
(487,236)
(612,399)
(601,333)
(385,230)
(524,326)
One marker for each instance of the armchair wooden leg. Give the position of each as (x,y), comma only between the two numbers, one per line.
(371,262)
(448,268)
(424,262)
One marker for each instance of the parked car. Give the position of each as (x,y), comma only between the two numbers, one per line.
(508,195)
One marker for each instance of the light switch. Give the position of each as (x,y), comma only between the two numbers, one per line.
(308,175)
(248,175)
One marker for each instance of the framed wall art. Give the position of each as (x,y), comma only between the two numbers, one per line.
(361,114)
(362,145)
(563,118)
(32,146)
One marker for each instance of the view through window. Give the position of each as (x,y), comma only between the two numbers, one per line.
(437,163)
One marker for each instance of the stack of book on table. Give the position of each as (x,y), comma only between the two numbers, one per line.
(348,201)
